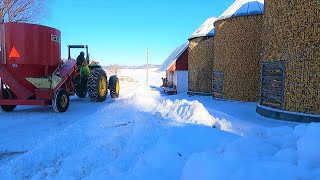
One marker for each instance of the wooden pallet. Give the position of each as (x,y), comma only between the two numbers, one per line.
(169,90)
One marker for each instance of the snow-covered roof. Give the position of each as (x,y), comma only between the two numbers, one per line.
(173,57)
(243,8)
(206,29)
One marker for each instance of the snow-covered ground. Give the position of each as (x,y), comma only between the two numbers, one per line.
(146,134)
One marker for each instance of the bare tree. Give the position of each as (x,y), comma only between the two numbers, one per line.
(113,69)
(22,10)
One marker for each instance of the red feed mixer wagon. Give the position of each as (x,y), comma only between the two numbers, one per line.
(32,73)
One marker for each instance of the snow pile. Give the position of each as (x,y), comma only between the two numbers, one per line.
(184,111)
(308,146)
(278,153)
(166,159)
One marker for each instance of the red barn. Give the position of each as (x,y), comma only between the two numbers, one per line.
(176,67)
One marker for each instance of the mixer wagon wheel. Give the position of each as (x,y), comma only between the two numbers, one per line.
(60,101)
(97,85)
(114,86)
(8,94)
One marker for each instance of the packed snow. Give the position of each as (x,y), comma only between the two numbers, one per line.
(147,134)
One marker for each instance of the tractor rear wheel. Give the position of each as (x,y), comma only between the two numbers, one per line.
(8,94)
(60,101)
(114,86)
(97,85)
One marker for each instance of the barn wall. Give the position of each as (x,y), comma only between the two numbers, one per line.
(292,34)
(238,48)
(200,62)
(182,61)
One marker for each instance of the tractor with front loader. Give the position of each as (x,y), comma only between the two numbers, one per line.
(32,73)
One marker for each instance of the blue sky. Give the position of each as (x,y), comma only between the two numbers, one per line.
(119,31)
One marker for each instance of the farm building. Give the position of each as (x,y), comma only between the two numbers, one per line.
(176,67)
(291,61)
(201,58)
(237,51)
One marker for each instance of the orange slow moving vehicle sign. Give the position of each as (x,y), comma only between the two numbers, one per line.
(14,53)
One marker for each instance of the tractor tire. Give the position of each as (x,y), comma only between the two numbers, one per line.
(8,108)
(114,86)
(97,85)
(60,101)
(81,87)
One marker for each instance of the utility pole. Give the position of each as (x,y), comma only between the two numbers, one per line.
(147,66)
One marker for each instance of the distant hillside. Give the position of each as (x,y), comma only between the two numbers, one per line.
(133,67)
(125,66)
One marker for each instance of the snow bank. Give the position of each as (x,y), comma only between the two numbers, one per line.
(166,159)
(192,112)
(278,153)
(308,146)
(184,111)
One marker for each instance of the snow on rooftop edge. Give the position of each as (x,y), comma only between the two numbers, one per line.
(206,29)
(243,8)
(173,57)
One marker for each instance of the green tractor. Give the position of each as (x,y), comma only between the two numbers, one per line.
(92,79)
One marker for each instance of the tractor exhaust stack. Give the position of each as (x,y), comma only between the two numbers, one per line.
(3,41)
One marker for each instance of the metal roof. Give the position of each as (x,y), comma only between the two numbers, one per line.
(243,8)
(173,57)
(206,29)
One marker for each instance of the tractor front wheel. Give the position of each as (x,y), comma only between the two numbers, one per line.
(60,101)
(8,94)
(97,85)
(114,86)
(81,86)
(81,94)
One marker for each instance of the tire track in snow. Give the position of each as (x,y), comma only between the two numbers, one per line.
(89,147)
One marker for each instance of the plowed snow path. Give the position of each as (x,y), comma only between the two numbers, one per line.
(140,135)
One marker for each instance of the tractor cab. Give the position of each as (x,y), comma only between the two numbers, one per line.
(84,68)
(79,47)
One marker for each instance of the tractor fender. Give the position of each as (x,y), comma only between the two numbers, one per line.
(112,81)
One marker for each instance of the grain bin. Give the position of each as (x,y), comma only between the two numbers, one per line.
(291,61)
(237,51)
(200,58)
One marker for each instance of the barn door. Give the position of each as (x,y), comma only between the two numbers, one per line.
(170,78)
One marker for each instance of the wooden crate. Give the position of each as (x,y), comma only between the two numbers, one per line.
(237,54)
(291,33)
